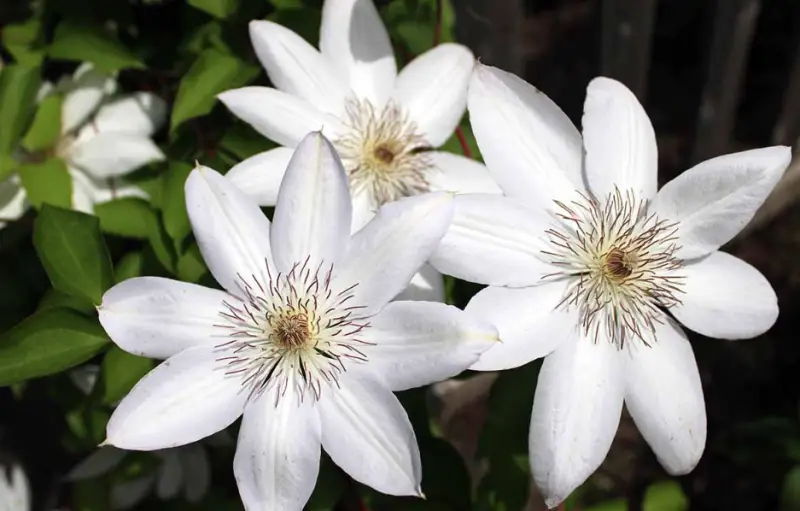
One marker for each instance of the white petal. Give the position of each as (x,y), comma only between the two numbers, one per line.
(418,343)
(84,190)
(433,90)
(84,94)
(141,113)
(531,147)
(725,297)
(279,116)
(98,463)
(619,140)
(458,174)
(259,176)
(665,398)
(426,285)
(277,456)
(363,210)
(529,324)
(354,40)
(113,154)
(312,218)
(494,240)
(296,67)
(576,411)
(389,250)
(13,203)
(170,475)
(231,230)
(196,472)
(715,199)
(186,398)
(157,318)
(367,433)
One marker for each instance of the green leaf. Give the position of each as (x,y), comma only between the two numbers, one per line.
(83,43)
(129,217)
(18,86)
(46,127)
(8,166)
(790,493)
(191,266)
(129,266)
(665,496)
(213,72)
(48,342)
(120,372)
(243,141)
(47,182)
(162,247)
(216,8)
(73,253)
(54,298)
(176,219)
(22,40)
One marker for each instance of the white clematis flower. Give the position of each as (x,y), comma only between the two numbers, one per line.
(102,138)
(303,341)
(15,492)
(586,261)
(384,125)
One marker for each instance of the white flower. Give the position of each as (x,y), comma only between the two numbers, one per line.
(384,125)
(303,341)
(102,138)
(15,492)
(586,265)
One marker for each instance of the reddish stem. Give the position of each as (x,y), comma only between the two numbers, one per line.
(463,141)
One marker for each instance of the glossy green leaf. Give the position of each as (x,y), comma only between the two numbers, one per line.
(129,266)
(54,298)
(176,219)
(46,127)
(23,41)
(48,342)
(8,166)
(47,183)
(191,266)
(71,248)
(83,43)
(18,86)
(129,217)
(120,372)
(243,141)
(216,8)
(162,247)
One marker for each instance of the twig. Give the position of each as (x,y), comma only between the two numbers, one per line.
(463,141)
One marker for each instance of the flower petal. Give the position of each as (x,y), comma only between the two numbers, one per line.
(170,475)
(354,40)
(576,411)
(141,113)
(494,240)
(664,395)
(367,433)
(231,230)
(186,398)
(13,200)
(528,321)
(458,174)
(392,247)
(259,176)
(157,318)
(84,93)
(715,199)
(196,472)
(113,154)
(278,453)
(532,149)
(312,218)
(433,90)
(619,140)
(296,67)
(279,116)
(418,343)
(426,285)
(724,297)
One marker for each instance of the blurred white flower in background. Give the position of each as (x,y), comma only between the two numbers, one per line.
(15,492)
(103,137)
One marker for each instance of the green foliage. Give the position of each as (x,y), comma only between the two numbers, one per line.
(121,371)
(46,126)
(47,183)
(84,43)
(18,86)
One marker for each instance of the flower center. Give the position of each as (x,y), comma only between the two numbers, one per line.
(297,330)
(619,263)
(383,152)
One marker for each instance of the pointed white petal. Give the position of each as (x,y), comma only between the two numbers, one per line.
(186,398)
(665,398)
(277,456)
(141,113)
(494,240)
(83,96)
(354,40)
(312,218)
(363,210)
(196,472)
(156,317)
(113,154)
(529,324)
(724,297)
(619,140)
(367,433)
(84,190)
(458,174)
(96,464)
(279,116)
(231,230)
(296,67)
(259,176)
(426,285)
(13,202)
(715,199)
(576,411)
(419,343)
(531,147)
(389,250)
(169,475)
(433,90)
